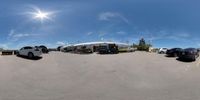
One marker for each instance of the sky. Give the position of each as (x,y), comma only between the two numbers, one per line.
(163,23)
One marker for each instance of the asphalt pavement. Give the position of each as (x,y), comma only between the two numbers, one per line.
(125,76)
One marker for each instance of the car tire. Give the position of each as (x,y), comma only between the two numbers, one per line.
(17,54)
(30,55)
(194,58)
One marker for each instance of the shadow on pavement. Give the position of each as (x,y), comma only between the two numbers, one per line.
(35,58)
(107,53)
(170,56)
(184,60)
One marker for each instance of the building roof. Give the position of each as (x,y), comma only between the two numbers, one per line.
(93,43)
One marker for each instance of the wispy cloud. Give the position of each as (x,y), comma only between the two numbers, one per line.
(179,36)
(89,33)
(183,35)
(121,33)
(107,16)
(164,34)
(14,36)
(101,34)
(60,43)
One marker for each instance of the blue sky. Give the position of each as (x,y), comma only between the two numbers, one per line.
(164,23)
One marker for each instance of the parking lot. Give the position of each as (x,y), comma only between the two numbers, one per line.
(125,76)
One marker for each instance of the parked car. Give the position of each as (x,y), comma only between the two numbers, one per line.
(44,49)
(108,49)
(131,49)
(174,52)
(67,48)
(85,50)
(162,50)
(127,49)
(189,53)
(59,48)
(30,52)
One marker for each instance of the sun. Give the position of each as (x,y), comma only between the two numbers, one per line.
(41,15)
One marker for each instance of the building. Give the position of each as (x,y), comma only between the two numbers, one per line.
(93,46)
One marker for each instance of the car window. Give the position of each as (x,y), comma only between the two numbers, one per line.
(21,48)
(27,47)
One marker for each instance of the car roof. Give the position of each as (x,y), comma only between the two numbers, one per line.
(190,49)
(28,46)
(176,48)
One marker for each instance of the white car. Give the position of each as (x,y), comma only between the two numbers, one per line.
(162,50)
(130,49)
(30,52)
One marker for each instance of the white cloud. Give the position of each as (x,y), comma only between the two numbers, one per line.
(107,16)
(60,43)
(121,33)
(16,36)
(89,33)
(164,34)
(11,32)
(21,35)
(184,35)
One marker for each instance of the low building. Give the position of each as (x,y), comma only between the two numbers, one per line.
(93,46)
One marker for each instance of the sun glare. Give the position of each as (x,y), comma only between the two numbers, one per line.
(40,15)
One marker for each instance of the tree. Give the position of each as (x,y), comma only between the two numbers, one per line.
(143,46)
(142,42)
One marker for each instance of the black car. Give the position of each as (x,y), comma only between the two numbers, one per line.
(59,48)
(85,50)
(189,53)
(174,52)
(108,49)
(44,49)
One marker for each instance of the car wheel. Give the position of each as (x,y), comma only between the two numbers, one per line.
(30,55)
(17,54)
(194,58)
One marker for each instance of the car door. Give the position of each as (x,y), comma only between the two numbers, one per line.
(26,50)
(21,51)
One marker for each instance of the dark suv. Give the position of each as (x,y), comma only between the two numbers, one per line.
(174,52)
(108,49)
(189,53)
